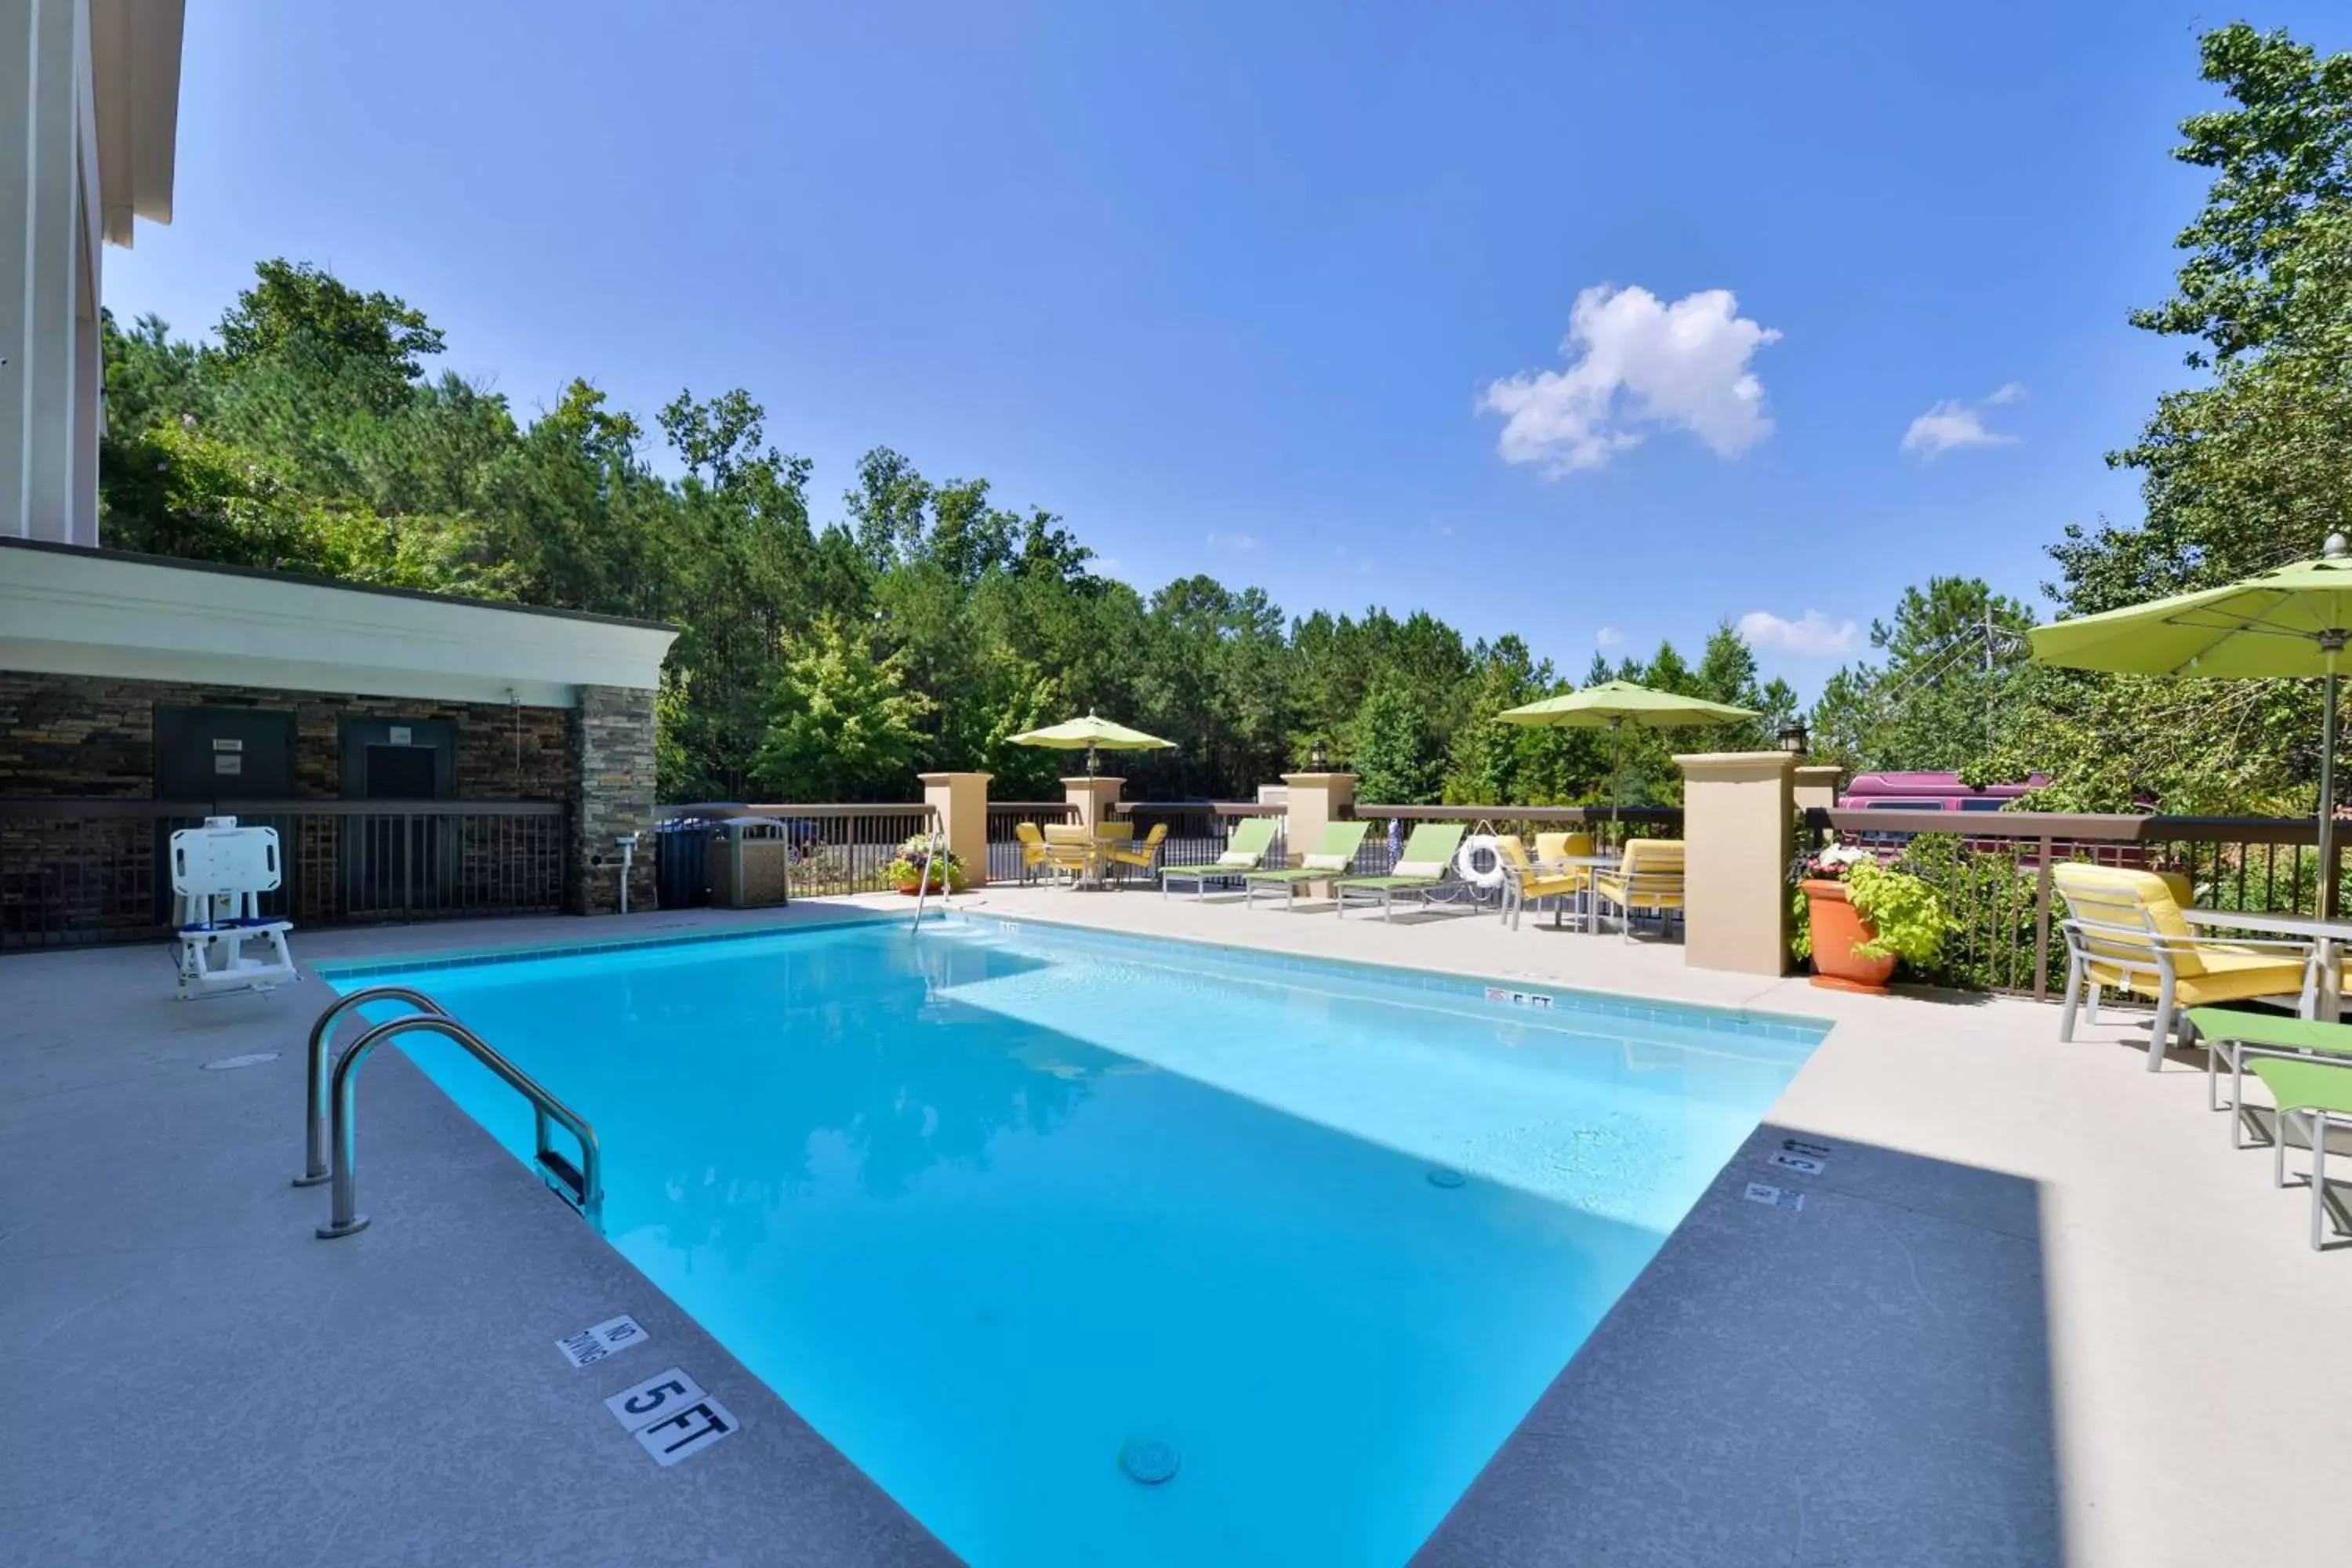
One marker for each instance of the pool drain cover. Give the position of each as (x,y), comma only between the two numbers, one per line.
(1443,1177)
(1149,1460)
(251,1059)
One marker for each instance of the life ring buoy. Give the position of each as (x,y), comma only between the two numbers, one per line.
(1468,865)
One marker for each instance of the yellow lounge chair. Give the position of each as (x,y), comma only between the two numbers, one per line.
(1648,877)
(2125,928)
(1141,853)
(1035,853)
(1524,879)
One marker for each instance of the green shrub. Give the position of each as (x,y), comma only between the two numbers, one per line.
(1907,914)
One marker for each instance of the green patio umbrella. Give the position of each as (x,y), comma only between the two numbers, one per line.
(2291,623)
(1089,732)
(1614,704)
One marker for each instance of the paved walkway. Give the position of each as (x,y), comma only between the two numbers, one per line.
(2034,1309)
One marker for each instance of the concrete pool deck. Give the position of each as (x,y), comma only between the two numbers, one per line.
(2034,1309)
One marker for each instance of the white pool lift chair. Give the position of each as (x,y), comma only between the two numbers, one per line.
(219,872)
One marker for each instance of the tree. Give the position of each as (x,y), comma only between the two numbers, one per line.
(302,317)
(1396,762)
(842,725)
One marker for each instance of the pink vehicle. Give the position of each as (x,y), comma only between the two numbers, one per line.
(1930,792)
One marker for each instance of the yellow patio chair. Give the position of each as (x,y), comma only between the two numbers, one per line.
(1524,879)
(1647,877)
(1551,846)
(1069,850)
(1035,855)
(1141,853)
(2125,928)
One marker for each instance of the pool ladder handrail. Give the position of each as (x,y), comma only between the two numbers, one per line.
(582,1184)
(923,887)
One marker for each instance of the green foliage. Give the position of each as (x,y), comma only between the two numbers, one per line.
(947,871)
(842,724)
(1907,912)
(1395,760)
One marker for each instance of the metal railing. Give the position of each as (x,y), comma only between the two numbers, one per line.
(1994,871)
(1200,830)
(836,849)
(76,872)
(582,1184)
(1378,858)
(1004,844)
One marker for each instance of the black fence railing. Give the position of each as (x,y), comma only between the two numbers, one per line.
(835,850)
(80,872)
(1394,824)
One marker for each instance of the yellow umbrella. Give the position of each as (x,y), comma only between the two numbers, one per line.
(1089,732)
(1613,704)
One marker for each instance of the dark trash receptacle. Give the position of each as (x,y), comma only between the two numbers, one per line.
(682,863)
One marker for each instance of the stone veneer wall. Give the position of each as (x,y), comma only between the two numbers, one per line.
(613,765)
(94,737)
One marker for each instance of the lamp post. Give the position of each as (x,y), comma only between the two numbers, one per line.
(1320,759)
(1793,739)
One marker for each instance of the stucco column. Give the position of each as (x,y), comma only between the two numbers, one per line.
(962,801)
(1094,797)
(1316,801)
(1817,785)
(1739,832)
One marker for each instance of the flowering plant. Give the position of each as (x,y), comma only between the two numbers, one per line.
(1833,862)
(915,853)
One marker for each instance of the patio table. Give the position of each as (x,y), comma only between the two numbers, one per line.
(2327,937)
(1593,866)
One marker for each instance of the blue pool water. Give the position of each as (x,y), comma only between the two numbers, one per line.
(989,1206)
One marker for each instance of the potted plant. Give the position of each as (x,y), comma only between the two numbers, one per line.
(1866,916)
(906,872)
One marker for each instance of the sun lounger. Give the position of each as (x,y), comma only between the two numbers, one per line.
(1245,852)
(1420,866)
(1328,859)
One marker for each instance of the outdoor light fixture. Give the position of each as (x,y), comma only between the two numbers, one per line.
(1320,759)
(1793,738)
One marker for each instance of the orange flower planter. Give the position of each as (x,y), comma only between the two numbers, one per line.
(1838,926)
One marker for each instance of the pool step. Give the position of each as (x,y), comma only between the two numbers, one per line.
(564,1177)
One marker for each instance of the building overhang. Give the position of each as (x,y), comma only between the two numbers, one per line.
(71,611)
(134,66)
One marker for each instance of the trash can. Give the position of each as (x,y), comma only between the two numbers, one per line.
(751,863)
(682,863)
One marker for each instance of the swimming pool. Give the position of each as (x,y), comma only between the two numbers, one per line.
(991,1205)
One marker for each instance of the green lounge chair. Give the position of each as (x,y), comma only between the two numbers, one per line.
(2318,1090)
(2236,1038)
(1420,866)
(1252,837)
(1329,858)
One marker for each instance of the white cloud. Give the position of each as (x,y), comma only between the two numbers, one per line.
(1812,633)
(1232,541)
(1634,360)
(1952,422)
(1608,636)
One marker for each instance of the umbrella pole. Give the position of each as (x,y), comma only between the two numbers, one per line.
(2327,783)
(1616,775)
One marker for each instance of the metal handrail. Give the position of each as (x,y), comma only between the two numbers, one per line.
(586,1180)
(314,1104)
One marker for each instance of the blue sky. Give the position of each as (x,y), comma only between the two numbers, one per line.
(1280,293)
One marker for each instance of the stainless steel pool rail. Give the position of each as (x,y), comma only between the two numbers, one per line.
(314,1104)
(582,1184)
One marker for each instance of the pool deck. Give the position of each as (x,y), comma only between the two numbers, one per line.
(2033,1310)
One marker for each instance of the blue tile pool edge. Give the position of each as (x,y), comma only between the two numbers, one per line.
(1797,1027)
(468,957)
